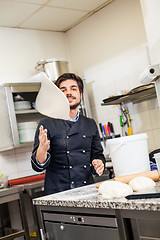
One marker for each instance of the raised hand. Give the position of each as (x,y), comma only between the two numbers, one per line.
(44,145)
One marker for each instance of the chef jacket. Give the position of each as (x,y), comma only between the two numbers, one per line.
(73,146)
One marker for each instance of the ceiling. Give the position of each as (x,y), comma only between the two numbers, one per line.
(50,15)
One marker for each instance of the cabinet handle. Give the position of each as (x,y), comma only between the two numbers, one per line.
(42,235)
(62,227)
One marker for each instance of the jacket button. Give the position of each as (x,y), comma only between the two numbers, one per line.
(85,182)
(84,166)
(67,151)
(67,136)
(72,182)
(70,166)
(84,136)
(83,151)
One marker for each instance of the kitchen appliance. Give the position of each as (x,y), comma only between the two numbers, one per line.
(67,226)
(52,67)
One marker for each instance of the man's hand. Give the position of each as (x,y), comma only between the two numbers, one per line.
(44,145)
(98,166)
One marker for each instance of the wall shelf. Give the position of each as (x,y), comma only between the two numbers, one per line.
(135,95)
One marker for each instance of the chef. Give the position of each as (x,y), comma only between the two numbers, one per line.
(69,150)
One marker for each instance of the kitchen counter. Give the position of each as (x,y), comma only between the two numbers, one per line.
(9,192)
(81,213)
(88,197)
(16,192)
(8,195)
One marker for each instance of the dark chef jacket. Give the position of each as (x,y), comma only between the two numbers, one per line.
(73,146)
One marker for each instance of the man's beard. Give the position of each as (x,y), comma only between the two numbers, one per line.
(75,105)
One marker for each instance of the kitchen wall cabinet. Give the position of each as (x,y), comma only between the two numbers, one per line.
(10,118)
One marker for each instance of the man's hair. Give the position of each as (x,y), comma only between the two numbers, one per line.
(72,76)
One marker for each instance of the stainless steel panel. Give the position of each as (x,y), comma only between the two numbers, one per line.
(12,116)
(55,68)
(9,117)
(24,87)
(58,231)
(6,141)
(81,219)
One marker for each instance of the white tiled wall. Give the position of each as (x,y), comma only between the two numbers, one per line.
(19,61)
(102,82)
(16,163)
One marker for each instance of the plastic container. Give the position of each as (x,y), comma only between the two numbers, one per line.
(27,131)
(4,181)
(129,154)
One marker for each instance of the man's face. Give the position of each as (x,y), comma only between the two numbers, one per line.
(71,90)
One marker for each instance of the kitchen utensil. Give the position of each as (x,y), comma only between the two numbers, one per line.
(26,131)
(143,196)
(51,101)
(141,88)
(110,99)
(150,193)
(154,175)
(101,129)
(157,159)
(52,67)
(26,180)
(22,105)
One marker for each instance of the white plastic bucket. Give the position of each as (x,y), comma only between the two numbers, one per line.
(129,154)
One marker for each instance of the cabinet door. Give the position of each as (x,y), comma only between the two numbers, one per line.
(64,231)
(146,229)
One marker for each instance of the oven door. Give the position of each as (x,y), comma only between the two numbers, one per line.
(80,227)
(64,231)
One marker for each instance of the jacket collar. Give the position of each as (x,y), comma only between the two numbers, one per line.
(76,128)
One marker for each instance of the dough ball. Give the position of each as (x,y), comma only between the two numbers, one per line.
(114,189)
(141,183)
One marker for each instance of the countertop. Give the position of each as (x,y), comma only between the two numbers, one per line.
(20,188)
(88,197)
(9,191)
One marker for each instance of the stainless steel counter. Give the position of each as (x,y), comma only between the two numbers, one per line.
(9,195)
(33,189)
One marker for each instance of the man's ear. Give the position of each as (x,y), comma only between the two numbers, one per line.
(81,96)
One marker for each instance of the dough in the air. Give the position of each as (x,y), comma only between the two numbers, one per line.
(51,101)
(141,183)
(114,189)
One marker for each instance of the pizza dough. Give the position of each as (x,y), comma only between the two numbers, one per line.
(141,183)
(114,189)
(51,101)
